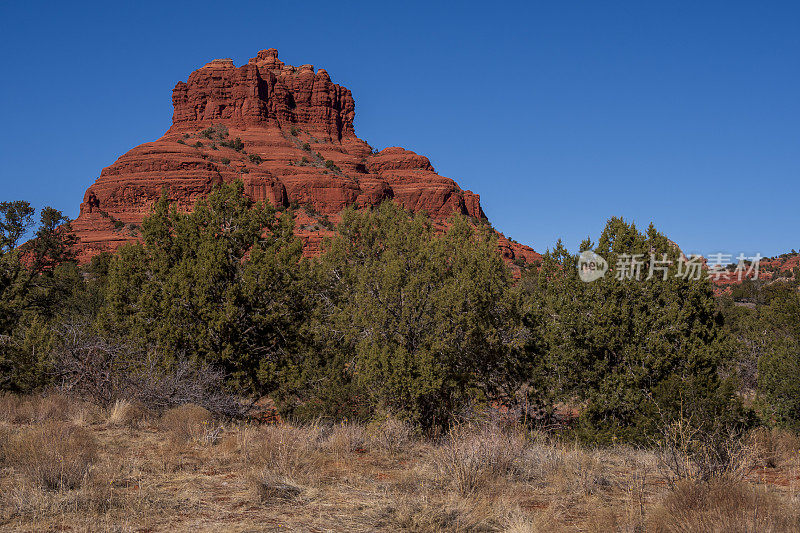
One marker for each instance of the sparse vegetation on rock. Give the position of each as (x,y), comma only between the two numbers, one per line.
(235,144)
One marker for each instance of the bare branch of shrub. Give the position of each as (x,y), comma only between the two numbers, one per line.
(691,451)
(104,370)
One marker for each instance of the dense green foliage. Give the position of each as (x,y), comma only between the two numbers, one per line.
(37,281)
(422,323)
(220,285)
(398,316)
(764,322)
(632,353)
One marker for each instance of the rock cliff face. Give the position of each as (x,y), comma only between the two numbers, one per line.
(287,133)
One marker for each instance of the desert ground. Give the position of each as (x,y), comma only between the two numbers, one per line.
(73,466)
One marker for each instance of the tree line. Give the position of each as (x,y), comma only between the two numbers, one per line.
(395,317)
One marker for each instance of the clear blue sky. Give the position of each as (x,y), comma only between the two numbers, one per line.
(559,114)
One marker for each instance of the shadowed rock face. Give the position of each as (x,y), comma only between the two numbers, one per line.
(297,145)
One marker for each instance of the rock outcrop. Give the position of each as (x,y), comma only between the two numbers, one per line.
(287,133)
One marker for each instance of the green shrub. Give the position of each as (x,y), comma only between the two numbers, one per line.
(633,354)
(255,158)
(247,253)
(332,166)
(236,144)
(778,384)
(383,353)
(215,132)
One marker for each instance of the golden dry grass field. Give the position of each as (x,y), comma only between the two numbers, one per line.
(71,466)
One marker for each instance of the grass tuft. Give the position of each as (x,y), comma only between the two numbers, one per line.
(187,422)
(54,455)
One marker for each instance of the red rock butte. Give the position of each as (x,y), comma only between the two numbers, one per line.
(287,133)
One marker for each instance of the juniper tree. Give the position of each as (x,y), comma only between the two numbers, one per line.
(627,353)
(36,280)
(419,323)
(218,285)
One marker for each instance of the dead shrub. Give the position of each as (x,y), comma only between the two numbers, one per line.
(88,364)
(688,450)
(346,438)
(271,487)
(187,422)
(104,369)
(9,407)
(390,435)
(55,455)
(471,458)
(289,451)
(772,448)
(185,383)
(725,505)
(126,413)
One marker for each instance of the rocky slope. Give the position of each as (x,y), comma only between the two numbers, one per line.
(771,269)
(287,133)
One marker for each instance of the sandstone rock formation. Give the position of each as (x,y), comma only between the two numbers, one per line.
(287,133)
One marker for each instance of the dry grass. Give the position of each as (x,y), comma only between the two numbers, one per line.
(271,487)
(16,409)
(472,458)
(125,413)
(187,422)
(127,470)
(728,506)
(772,448)
(54,455)
(390,435)
(346,438)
